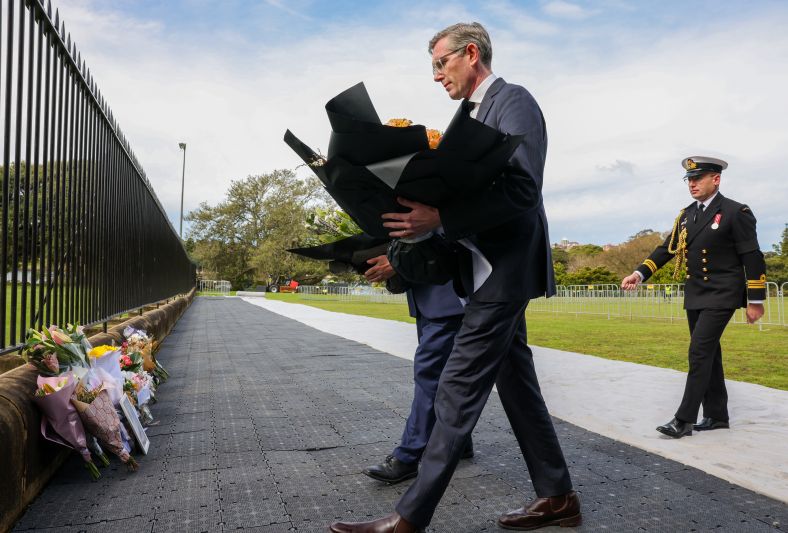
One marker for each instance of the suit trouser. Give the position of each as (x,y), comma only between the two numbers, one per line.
(705,379)
(489,349)
(436,340)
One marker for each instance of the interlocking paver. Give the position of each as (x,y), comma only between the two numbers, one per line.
(266,425)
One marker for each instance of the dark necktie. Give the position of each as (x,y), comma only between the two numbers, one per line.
(467,106)
(698,211)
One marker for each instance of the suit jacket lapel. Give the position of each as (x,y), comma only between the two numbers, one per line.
(704,218)
(489,98)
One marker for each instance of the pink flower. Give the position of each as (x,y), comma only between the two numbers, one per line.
(51,362)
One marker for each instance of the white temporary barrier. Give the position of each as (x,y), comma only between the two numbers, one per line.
(212,285)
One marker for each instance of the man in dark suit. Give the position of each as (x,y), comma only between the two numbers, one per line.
(725,270)
(438,313)
(508,262)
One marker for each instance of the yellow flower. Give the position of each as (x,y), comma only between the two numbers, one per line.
(399,122)
(101,351)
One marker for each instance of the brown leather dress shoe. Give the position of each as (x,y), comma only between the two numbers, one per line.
(561,511)
(392,523)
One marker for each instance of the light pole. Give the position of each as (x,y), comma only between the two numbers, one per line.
(183,182)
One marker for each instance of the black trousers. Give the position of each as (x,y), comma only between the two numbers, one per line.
(705,379)
(489,349)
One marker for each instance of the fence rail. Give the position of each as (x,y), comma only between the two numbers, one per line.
(214,285)
(83,235)
(362,293)
(648,301)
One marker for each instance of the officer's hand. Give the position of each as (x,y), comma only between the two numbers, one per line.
(630,282)
(380,270)
(754,312)
(419,220)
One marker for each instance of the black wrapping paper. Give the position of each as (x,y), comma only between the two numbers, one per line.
(369,164)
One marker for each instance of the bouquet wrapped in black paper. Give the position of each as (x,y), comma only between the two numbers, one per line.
(347,254)
(370,164)
(350,254)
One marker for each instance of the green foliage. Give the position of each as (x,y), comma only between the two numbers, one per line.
(584,250)
(777,261)
(560,272)
(560,256)
(590,276)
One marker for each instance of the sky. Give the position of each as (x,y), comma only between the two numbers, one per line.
(628,89)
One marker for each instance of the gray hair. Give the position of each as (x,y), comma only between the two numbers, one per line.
(462,34)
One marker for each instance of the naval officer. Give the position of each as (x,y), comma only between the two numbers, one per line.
(716,238)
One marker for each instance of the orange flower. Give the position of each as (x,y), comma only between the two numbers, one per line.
(433,136)
(399,122)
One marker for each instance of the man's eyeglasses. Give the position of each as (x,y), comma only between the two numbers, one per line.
(439,64)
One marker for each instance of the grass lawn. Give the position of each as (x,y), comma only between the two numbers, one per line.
(215,293)
(749,354)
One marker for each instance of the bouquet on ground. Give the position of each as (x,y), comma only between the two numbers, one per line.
(370,164)
(54,351)
(60,422)
(138,386)
(106,359)
(100,418)
(138,341)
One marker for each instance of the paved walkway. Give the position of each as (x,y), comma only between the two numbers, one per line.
(620,400)
(266,424)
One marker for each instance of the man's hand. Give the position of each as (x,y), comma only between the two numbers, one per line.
(380,270)
(754,312)
(630,282)
(420,220)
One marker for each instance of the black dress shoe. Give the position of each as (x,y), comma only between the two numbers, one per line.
(676,429)
(392,470)
(710,423)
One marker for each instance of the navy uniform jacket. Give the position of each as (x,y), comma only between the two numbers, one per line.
(725,266)
(433,301)
(507,221)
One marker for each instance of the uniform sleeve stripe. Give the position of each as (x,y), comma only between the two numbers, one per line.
(651,265)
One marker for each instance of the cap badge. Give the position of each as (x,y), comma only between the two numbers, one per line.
(691,165)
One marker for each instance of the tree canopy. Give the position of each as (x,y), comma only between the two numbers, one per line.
(244,238)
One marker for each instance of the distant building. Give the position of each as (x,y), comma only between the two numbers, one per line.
(607,247)
(566,244)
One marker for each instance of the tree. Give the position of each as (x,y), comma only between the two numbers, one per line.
(590,276)
(585,250)
(625,257)
(244,237)
(777,260)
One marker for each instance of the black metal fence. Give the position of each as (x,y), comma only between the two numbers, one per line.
(83,235)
